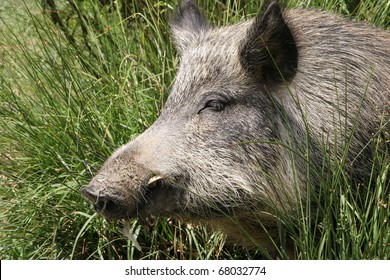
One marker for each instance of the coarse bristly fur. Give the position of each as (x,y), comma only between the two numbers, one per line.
(256,112)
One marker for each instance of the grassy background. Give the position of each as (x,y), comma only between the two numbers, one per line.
(79,79)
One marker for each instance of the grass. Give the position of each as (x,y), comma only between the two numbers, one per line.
(77,83)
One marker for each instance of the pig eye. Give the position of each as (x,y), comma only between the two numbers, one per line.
(215,105)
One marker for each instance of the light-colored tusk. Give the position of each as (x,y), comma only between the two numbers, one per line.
(153,180)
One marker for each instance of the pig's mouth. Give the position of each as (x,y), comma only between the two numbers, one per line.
(155,196)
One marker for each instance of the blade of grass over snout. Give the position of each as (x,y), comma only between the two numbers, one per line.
(69,97)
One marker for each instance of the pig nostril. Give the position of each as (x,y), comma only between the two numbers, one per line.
(101,203)
(90,193)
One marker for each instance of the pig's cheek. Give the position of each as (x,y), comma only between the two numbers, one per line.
(196,126)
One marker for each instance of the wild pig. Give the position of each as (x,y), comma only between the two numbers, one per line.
(255,109)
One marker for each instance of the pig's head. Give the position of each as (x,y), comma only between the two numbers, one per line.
(210,156)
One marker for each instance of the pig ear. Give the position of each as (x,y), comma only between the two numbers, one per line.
(269,51)
(187,24)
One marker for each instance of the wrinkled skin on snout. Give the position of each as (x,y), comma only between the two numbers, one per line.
(220,151)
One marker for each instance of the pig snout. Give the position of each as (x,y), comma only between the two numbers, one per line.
(124,190)
(101,203)
(107,202)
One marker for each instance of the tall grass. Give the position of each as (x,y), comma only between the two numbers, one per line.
(350,221)
(78,80)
